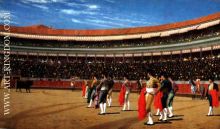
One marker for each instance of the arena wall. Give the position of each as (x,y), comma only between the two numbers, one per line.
(184,86)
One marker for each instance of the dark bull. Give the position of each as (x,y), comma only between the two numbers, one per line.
(25,85)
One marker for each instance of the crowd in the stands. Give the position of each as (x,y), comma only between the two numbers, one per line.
(64,68)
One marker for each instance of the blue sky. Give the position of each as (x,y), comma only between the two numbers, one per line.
(104,14)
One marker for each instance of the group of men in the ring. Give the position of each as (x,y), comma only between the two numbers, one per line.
(100,93)
(163,92)
(167,91)
(159,90)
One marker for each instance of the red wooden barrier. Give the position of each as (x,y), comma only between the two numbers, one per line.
(183,88)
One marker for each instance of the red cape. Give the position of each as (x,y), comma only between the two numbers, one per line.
(122,95)
(83,90)
(142,105)
(157,101)
(214,94)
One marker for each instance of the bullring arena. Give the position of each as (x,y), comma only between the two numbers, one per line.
(58,109)
(49,57)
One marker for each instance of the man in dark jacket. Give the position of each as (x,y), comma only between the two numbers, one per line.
(165,88)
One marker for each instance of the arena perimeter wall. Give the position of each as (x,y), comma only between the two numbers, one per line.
(184,87)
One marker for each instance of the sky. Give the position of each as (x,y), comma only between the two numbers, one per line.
(104,14)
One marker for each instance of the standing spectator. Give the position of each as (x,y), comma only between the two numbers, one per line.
(201,88)
(193,88)
(73,82)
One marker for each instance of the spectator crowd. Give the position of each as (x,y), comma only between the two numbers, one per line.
(63,68)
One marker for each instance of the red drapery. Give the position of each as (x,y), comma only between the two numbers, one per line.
(142,105)
(214,94)
(83,89)
(157,101)
(122,95)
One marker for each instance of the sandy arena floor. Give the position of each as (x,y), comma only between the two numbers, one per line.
(64,109)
